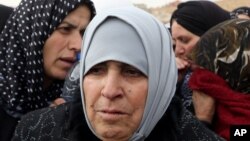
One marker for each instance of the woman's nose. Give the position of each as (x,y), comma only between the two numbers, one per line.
(179,50)
(112,86)
(75,42)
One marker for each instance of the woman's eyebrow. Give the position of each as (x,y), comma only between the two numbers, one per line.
(69,24)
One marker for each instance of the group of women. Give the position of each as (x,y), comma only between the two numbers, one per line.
(127,87)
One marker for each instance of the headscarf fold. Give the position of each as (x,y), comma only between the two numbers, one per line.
(21,59)
(132,36)
(199,16)
(225,51)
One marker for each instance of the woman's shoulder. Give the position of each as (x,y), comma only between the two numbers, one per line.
(44,124)
(179,124)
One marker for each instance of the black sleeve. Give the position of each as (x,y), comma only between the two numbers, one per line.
(178,124)
(188,127)
(42,125)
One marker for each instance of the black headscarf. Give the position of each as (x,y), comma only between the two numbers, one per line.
(5,12)
(21,59)
(199,16)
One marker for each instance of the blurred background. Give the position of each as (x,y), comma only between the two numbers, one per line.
(162,9)
(164,12)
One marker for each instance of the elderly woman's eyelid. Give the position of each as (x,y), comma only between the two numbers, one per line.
(129,68)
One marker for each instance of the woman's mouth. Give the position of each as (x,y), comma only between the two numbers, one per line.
(111,115)
(67,61)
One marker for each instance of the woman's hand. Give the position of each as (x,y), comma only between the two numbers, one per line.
(57,102)
(204,106)
(182,66)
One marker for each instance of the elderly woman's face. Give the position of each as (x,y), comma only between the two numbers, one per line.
(184,40)
(115,96)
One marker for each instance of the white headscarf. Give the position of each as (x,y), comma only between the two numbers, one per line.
(132,36)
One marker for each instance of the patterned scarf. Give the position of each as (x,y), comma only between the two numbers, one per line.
(224,50)
(224,54)
(21,62)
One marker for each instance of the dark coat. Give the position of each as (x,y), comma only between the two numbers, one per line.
(66,123)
